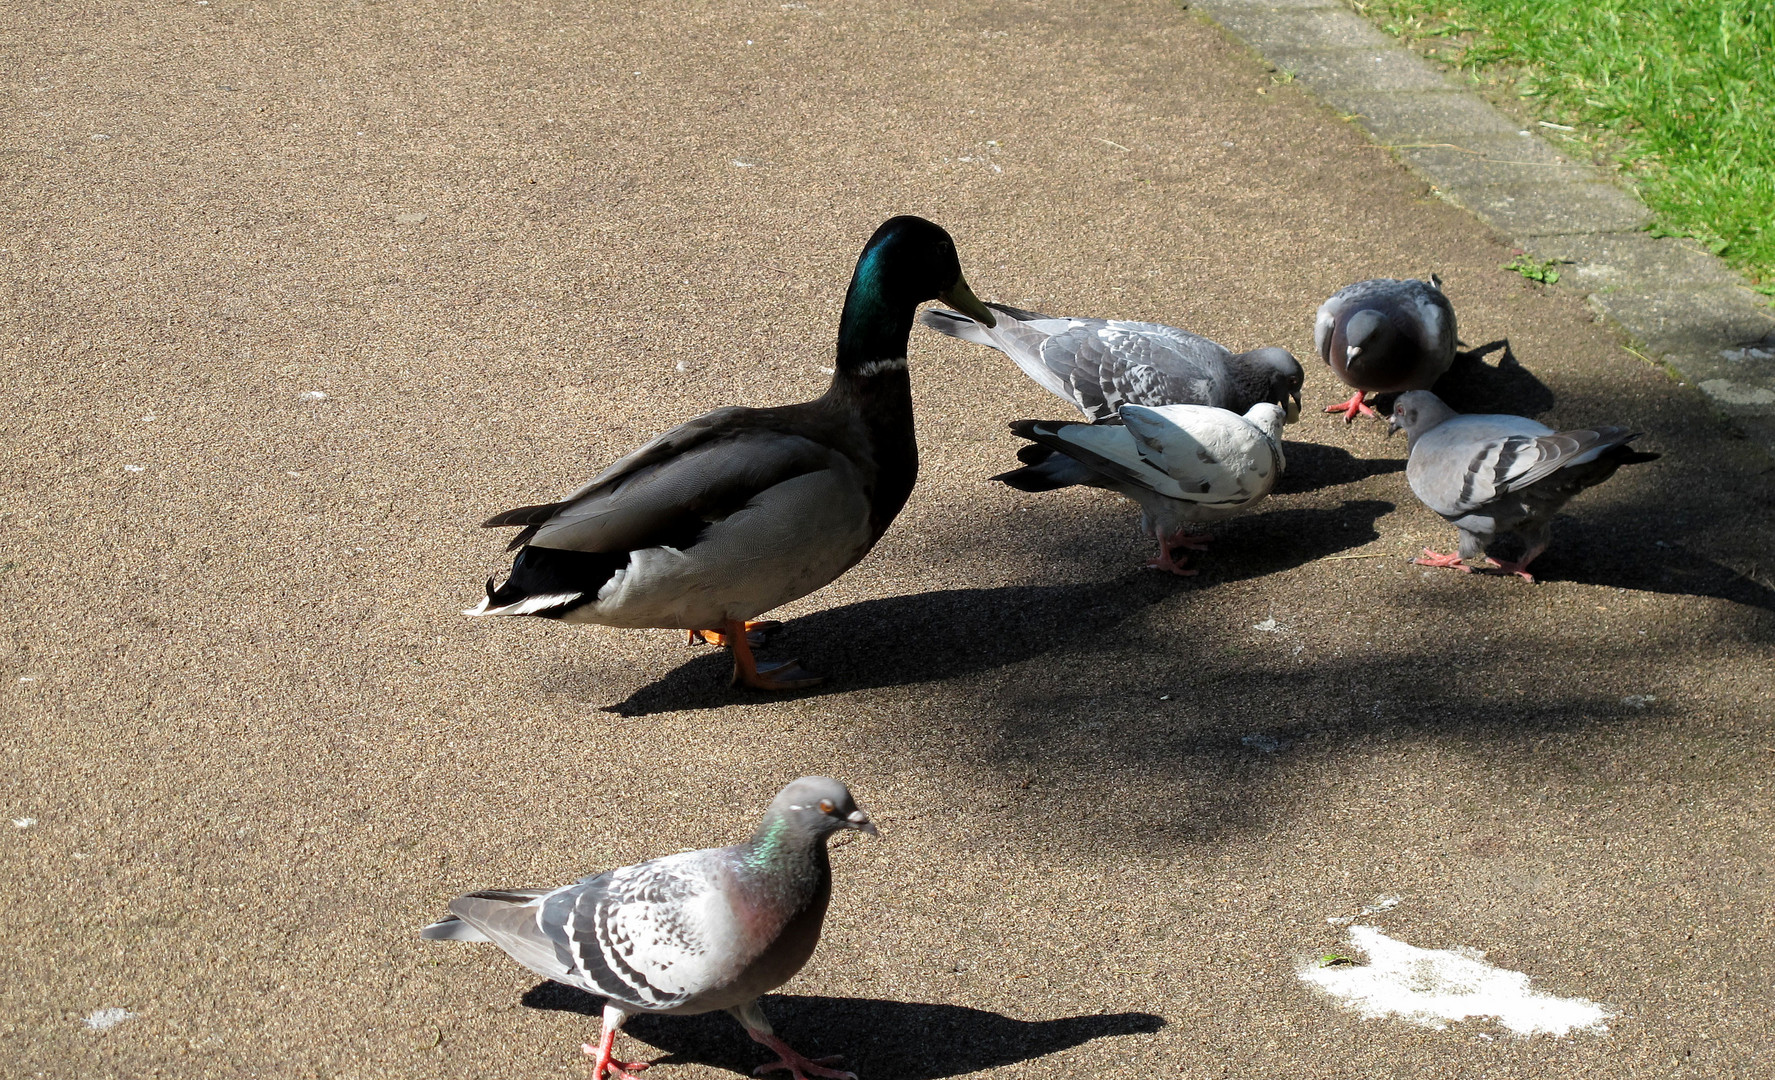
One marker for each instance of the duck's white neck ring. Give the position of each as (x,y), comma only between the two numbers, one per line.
(876,367)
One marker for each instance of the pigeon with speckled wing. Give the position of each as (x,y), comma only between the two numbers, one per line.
(1385,335)
(687,933)
(1497,475)
(1182,463)
(1099,365)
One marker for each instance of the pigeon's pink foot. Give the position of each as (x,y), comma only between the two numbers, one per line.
(1166,563)
(1352,407)
(1452,560)
(1181,539)
(603,1065)
(798,1067)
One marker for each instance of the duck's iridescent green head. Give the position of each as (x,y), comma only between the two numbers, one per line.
(909,260)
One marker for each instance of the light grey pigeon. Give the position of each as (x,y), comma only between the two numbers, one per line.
(1496,475)
(1099,365)
(1182,463)
(1385,335)
(686,933)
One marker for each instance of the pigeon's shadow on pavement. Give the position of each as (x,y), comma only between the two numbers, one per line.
(1473,386)
(1312,466)
(1621,547)
(880,1039)
(947,633)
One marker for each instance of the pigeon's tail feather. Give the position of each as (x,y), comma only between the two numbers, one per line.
(454,928)
(450,928)
(509,920)
(957,325)
(1020,314)
(1627,455)
(1044,468)
(1034,478)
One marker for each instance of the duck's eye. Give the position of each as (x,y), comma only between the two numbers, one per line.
(827,806)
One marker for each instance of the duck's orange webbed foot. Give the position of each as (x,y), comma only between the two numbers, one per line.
(757,633)
(774,677)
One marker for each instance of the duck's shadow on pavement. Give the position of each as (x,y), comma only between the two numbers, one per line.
(880,1039)
(946,633)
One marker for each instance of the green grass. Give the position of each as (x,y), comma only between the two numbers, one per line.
(1681,92)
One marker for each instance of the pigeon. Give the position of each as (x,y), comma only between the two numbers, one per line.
(1386,335)
(1182,463)
(1099,365)
(686,933)
(1492,476)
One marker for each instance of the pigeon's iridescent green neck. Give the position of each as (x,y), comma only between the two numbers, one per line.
(773,837)
(782,852)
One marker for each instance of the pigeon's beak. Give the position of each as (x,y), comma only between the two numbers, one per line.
(858,820)
(1351,352)
(1393,427)
(962,299)
(1291,407)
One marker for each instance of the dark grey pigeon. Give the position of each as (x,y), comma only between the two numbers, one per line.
(1099,365)
(1497,475)
(1385,335)
(687,933)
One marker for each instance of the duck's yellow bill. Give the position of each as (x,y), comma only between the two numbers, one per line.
(962,299)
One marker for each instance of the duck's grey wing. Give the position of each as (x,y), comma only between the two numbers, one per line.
(1467,463)
(667,444)
(665,493)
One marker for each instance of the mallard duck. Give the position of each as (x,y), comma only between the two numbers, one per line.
(1498,475)
(741,510)
(1182,463)
(1385,335)
(1098,365)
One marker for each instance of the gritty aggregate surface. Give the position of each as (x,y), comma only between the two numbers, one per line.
(294,296)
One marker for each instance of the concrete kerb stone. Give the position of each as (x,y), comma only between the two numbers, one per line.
(1687,308)
(1337,72)
(1552,207)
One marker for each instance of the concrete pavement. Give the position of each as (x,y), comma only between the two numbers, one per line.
(295,296)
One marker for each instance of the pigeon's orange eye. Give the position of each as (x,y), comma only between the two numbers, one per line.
(827,806)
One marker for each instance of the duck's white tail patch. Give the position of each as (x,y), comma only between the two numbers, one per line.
(1435,987)
(530,605)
